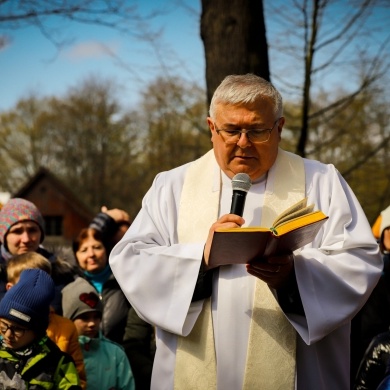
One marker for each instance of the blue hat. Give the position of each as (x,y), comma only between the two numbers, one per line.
(28,301)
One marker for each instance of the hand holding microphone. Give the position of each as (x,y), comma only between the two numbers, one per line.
(241,184)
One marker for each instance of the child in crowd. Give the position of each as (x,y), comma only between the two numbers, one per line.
(106,363)
(61,330)
(28,358)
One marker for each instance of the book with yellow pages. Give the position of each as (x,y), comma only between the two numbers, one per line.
(291,230)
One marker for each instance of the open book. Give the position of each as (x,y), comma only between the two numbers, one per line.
(294,228)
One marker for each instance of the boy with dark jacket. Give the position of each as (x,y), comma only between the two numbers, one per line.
(28,358)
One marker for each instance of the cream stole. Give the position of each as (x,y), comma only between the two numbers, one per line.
(272,339)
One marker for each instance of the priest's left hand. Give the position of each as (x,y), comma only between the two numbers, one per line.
(275,271)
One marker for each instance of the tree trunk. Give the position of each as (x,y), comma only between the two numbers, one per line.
(234,39)
(310,43)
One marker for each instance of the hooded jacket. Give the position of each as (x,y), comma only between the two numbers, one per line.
(106,364)
(43,367)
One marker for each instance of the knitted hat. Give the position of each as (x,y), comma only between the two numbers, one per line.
(79,297)
(28,301)
(17,210)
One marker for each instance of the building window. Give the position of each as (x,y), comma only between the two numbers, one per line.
(53,226)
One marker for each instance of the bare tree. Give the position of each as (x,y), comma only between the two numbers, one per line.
(88,141)
(323,38)
(175,129)
(121,15)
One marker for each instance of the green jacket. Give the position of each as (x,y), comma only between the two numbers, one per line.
(42,367)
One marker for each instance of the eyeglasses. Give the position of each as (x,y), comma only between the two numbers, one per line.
(256,136)
(16,331)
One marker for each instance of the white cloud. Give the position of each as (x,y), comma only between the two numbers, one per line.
(91,49)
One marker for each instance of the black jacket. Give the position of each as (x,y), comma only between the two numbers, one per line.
(372,369)
(140,345)
(372,319)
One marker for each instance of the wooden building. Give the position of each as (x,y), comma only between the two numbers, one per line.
(65,215)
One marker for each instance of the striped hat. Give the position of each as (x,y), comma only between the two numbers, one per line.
(18,210)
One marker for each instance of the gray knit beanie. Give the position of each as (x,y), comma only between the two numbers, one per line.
(79,297)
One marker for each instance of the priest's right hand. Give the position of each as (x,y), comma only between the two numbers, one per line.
(227,221)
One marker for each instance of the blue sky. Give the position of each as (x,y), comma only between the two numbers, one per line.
(31,64)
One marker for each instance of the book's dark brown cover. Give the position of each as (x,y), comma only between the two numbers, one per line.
(241,247)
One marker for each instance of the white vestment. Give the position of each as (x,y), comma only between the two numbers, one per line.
(335,275)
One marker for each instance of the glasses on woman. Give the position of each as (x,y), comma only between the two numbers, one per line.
(256,136)
(15,330)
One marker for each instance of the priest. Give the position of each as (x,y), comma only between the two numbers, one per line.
(280,322)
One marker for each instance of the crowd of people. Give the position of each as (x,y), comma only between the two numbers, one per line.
(143,306)
(88,317)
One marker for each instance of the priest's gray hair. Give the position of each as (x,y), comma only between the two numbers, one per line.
(245,89)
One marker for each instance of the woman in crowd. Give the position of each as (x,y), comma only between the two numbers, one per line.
(91,255)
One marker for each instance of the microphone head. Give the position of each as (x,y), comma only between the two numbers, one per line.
(241,182)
